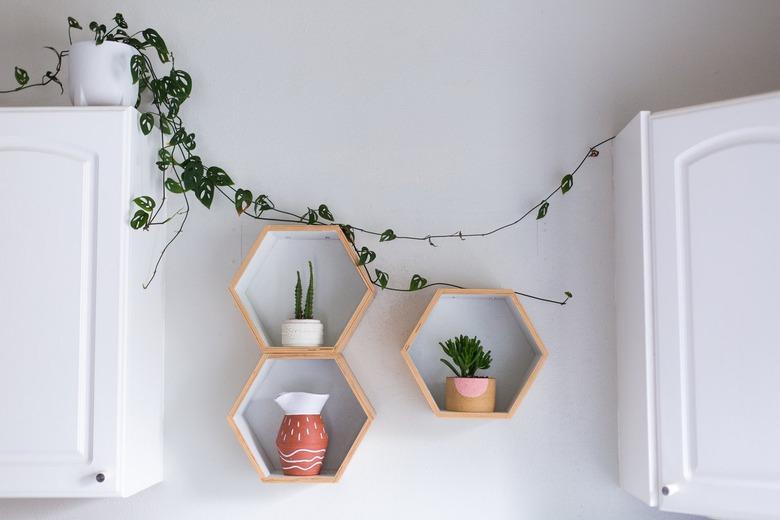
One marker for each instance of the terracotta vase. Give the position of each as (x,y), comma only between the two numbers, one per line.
(302,440)
(470,394)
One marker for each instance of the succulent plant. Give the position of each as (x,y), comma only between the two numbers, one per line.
(304,312)
(467,354)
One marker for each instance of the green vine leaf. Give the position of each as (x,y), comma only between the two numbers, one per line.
(387,235)
(21,76)
(137,67)
(173,186)
(165,125)
(165,157)
(382,278)
(542,210)
(147,123)
(243,200)
(119,19)
(568,294)
(566,183)
(145,202)
(311,216)
(417,283)
(365,256)
(324,212)
(139,220)
(262,203)
(218,176)
(152,38)
(204,192)
(348,233)
(73,23)
(193,173)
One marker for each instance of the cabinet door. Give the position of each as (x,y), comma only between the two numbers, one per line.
(716,243)
(58,343)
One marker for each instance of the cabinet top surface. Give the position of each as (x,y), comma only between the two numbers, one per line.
(67,109)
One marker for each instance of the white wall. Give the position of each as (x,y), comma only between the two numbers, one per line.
(424,116)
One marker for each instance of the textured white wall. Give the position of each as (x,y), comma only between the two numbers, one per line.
(424,116)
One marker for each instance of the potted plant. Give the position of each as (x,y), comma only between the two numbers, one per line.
(303,330)
(100,68)
(467,392)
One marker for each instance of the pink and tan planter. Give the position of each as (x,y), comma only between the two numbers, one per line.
(470,394)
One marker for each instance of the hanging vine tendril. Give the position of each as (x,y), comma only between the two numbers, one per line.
(184,173)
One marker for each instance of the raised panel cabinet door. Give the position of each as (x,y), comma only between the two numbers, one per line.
(715,179)
(58,366)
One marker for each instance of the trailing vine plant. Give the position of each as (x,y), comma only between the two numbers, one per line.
(163,89)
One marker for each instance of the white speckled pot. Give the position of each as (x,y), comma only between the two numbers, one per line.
(302,333)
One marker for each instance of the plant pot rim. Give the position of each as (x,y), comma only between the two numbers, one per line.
(302,321)
(474,377)
(110,43)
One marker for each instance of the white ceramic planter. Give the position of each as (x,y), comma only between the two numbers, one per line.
(99,75)
(302,333)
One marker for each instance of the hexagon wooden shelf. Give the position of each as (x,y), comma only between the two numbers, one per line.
(255,417)
(263,286)
(497,318)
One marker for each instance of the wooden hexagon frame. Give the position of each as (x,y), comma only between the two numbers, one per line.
(240,287)
(538,351)
(247,435)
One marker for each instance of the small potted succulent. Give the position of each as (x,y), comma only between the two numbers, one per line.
(303,330)
(467,392)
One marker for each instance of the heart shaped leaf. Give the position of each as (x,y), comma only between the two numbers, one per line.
(387,235)
(147,123)
(348,233)
(139,220)
(145,202)
(382,278)
(21,76)
(566,183)
(173,186)
(243,200)
(365,256)
(417,283)
(324,212)
(542,210)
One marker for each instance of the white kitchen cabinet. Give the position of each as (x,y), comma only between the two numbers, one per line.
(81,343)
(697,233)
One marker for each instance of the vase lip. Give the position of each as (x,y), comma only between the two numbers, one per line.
(301,403)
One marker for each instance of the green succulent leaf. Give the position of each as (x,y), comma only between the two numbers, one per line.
(147,123)
(382,278)
(566,183)
(387,235)
(542,210)
(139,220)
(21,76)
(173,186)
(145,202)
(365,256)
(417,283)
(324,212)
(243,199)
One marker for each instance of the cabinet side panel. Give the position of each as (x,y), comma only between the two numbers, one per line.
(145,325)
(636,430)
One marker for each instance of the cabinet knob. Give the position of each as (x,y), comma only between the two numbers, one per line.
(100,477)
(671,489)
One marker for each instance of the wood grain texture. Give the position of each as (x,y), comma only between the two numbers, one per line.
(537,344)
